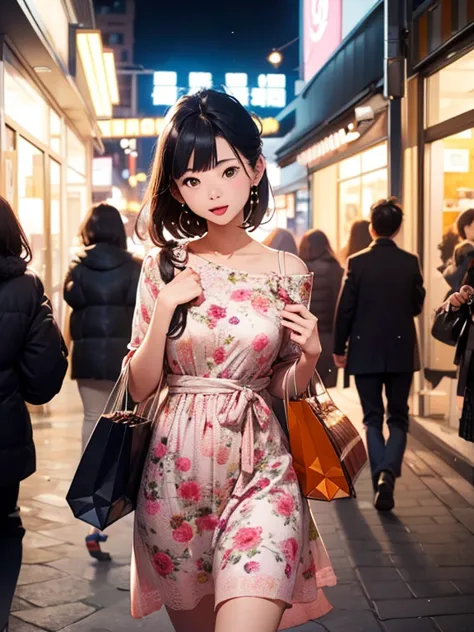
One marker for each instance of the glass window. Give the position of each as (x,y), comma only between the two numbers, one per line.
(76,152)
(450,91)
(103,7)
(10,165)
(350,167)
(449,192)
(31,201)
(113,39)
(357,194)
(54,131)
(25,105)
(374,188)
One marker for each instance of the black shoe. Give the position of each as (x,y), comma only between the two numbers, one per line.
(384,496)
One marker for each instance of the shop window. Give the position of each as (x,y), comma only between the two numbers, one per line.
(55,128)
(76,152)
(450,91)
(25,105)
(449,192)
(363,179)
(31,211)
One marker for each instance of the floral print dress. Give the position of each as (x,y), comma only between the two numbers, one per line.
(220,510)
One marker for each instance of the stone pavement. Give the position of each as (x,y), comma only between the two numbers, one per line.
(410,571)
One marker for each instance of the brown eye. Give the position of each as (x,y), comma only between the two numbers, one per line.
(230,172)
(191,182)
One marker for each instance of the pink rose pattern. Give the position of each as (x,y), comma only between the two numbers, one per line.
(196,515)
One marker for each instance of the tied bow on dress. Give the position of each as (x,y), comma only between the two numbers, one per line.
(246,405)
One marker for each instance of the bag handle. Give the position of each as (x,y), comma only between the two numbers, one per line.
(120,392)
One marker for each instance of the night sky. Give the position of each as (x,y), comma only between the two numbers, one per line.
(215,35)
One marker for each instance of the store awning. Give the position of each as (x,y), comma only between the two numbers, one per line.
(353,73)
(24,35)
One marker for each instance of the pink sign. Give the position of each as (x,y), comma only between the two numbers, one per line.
(322,33)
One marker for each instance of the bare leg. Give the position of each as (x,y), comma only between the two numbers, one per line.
(202,617)
(252,614)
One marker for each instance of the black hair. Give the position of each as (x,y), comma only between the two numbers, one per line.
(281,239)
(314,245)
(386,217)
(192,126)
(13,241)
(103,224)
(359,237)
(465,219)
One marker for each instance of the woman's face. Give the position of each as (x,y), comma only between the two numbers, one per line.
(220,194)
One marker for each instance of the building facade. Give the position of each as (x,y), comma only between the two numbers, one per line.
(344,140)
(48,125)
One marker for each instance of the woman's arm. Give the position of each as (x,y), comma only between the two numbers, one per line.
(302,344)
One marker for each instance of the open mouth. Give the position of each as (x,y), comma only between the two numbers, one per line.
(219,210)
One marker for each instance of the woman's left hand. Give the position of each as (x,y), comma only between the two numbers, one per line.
(304,328)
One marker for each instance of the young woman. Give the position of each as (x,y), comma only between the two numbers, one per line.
(316,252)
(359,239)
(281,239)
(100,287)
(32,368)
(222,534)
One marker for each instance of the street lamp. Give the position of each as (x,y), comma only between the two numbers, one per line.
(275,57)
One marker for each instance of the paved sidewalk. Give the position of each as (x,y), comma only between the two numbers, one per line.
(410,571)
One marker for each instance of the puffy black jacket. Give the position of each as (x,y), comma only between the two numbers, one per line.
(101,287)
(326,287)
(32,364)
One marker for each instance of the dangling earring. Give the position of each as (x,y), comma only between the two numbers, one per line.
(253,202)
(180,220)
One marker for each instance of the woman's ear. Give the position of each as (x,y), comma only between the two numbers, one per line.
(259,170)
(176,193)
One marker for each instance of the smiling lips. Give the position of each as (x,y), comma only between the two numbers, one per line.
(219,210)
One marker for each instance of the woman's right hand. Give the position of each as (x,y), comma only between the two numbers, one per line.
(458,299)
(184,288)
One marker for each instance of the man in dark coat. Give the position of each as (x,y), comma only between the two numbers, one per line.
(382,293)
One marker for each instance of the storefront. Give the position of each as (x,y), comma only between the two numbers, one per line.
(341,131)
(439,184)
(48,131)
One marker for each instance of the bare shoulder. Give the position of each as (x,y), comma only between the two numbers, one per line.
(293,264)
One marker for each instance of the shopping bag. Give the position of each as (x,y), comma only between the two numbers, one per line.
(106,484)
(328,452)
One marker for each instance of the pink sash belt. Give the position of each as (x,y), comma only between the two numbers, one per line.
(243,407)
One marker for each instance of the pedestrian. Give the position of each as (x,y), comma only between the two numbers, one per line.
(457,328)
(100,288)
(281,239)
(465,225)
(32,368)
(359,239)
(456,271)
(316,252)
(382,293)
(222,533)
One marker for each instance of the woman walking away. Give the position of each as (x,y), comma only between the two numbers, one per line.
(281,239)
(222,534)
(316,252)
(100,287)
(359,239)
(32,368)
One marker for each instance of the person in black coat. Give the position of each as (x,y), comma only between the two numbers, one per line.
(316,252)
(32,368)
(100,287)
(382,293)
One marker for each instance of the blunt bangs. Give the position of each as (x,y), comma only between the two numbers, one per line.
(198,136)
